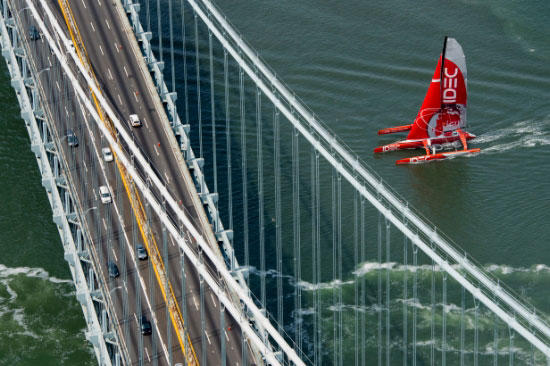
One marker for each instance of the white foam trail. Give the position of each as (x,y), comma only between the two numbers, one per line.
(525,134)
(30,272)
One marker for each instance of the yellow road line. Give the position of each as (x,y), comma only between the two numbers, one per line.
(135,201)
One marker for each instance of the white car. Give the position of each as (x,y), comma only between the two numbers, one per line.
(104,194)
(107,154)
(134,120)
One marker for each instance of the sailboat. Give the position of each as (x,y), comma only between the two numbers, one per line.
(439,125)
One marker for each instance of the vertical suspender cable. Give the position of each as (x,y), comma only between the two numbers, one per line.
(198,77)
(444,328)
(184,56)
(363,287)
(388,293)
(314,280)
(261,219)
(495,340)
(213,119)
(318,264)
(228,140)
(432,322)
(278,219)
(416,301)
(356,267)
(379,292)
(340,306)
(243,166)
(296,229)
(405,299)
(476,332)
(172,64)
(462,311)
(334,272)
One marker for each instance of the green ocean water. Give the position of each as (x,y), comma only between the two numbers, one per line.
(360,66)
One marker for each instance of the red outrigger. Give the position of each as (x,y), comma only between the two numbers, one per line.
(438,127)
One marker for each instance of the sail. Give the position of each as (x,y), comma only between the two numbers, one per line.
(444,108)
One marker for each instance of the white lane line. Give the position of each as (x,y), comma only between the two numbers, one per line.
(117,49)
(156,150)
(213,300)
(116,259)
(99,2)
(110,74)
(85,167)
(125,71)
(144,120)
(66,111)
(135,317)
(172,240)
(101,49)
(226,337)
(147,353)
(49,61)
(124,282)
(207,337)
(104,224)
(83,3)
(127,241)
(92,24)
(195,301)
(119,99)
(58,88)
(107,22)
(167,179)
(135,96)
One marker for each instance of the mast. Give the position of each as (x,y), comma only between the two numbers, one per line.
(442,69)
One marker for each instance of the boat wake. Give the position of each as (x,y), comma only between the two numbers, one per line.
(523,134)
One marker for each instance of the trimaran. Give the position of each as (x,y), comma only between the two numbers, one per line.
(439,124)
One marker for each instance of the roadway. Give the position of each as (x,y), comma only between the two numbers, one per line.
(111,226)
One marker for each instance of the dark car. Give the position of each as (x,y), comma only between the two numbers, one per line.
(145,325)
(33,33)
(113,270)
(141,252)
(72,139)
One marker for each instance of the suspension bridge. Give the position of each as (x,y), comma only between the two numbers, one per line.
(232,220)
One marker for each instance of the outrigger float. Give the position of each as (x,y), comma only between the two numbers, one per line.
(438,127)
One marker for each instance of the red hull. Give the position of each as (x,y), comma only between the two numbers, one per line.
(438,156)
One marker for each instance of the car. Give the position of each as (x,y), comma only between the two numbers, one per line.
(134,120)
(145,325)
(107,154)
(33,33)
(141,252)
(104,194)
(72,139)
(113,270)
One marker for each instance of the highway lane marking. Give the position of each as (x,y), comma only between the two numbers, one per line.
(101,49)
(104,224)
(127,241)
(213,300)
(124,282)
(119,99)
(116,259)
(226,337)
(125,71)
(58,88)
(66,111)
(92,24)
(135,317)
(207,337)
(49,61)
(135,96)
(116,46)
(156,150)
(85,167)
(83,3)
(144,120)
(107,22)
(167,179)
(172,240)
(110,74)
(147,353)
(195,301)
(99,2)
